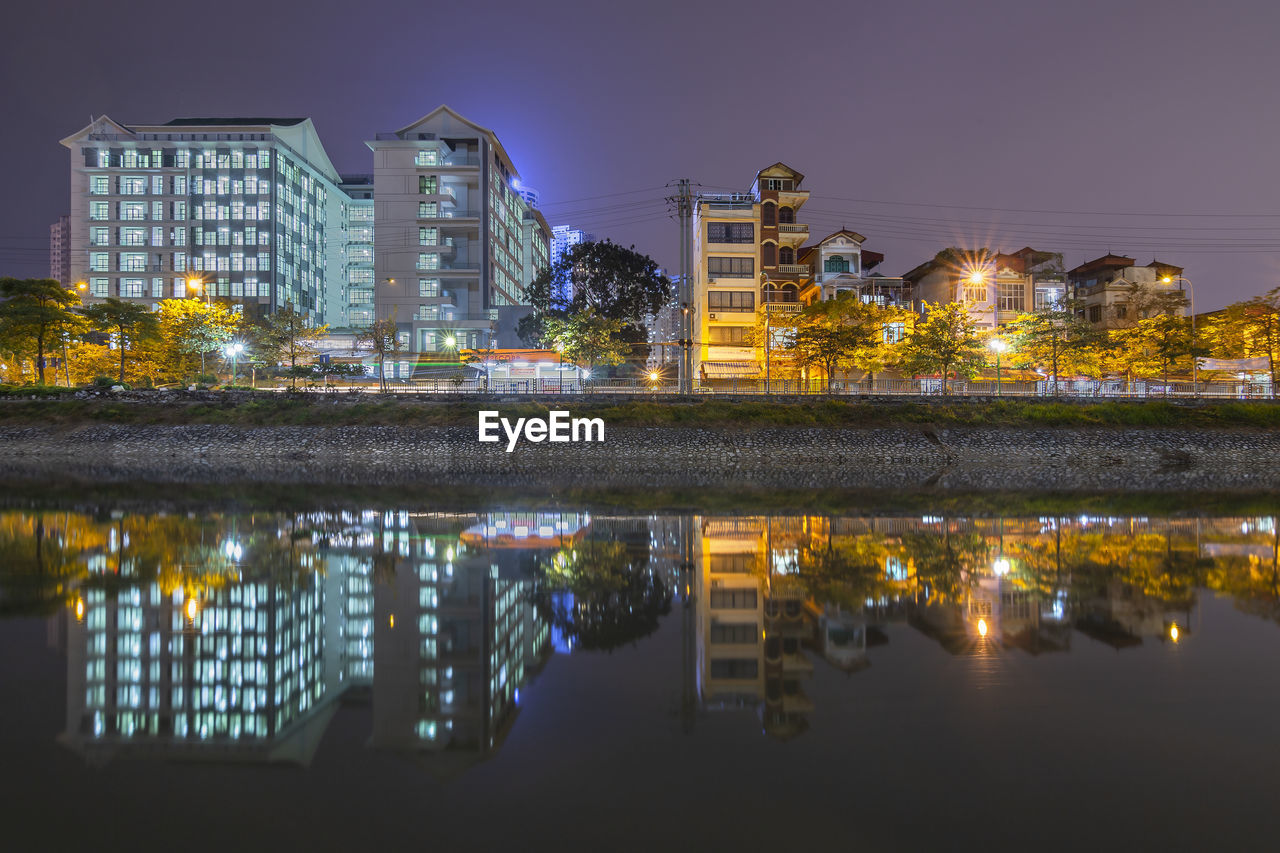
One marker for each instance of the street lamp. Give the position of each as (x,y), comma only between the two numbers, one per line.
(998,346)
(195,284)
(560,369)
(233,350)
(1195,362)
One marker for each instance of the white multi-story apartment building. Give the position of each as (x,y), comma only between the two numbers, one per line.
(449,250)
(242,205)
(354,305)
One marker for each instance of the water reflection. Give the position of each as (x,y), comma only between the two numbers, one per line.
(234,636)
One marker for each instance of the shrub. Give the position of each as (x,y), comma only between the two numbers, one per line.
(103,381)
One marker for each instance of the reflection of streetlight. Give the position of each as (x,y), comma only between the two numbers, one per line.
(233,350)
(982,627)
(1173,632)
(79,609)
(998,346)
(1000,567)
(191,608)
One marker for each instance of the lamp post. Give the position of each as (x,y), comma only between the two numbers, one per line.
(233,350)
(998,346)
(1195,362)
(560,368)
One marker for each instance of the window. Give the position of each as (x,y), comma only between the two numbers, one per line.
(360,297)
(99,185)
(836,263)
(133,185)
(133,261)
(733,599)
(731,232)
(769,255)
(132,236)
(728,334)
(104,158)
(1047,298)
(1095,313)
(894,332)
(1121,310)
(975,293)
(428,261)
(726,634)
(786,255)
(99,236)
(157,287)
(786,216)
(99,287)
(427,158)
(778,184)
(428,236)
(132,287)
(734,668)
(732,563)
(427,209)
(731,300)
(99,210)
(157,184)
(133,211)
(1012,296)
(428,287)
(99,262)
(768,214)
(427,184)
(731,267)
(428,312)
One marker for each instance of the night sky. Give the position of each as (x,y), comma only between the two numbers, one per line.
(1147,128)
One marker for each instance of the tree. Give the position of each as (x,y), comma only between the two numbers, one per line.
(383,338)
(946,341)
(287,336)
(1151,334)
(35,316)
(190,326)
(483,356)
(128,321)
(598,276)
(829,334)
(1251,329)
(588,337)
(1057,338)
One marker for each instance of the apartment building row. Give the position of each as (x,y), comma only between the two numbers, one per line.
(754,259)
(253,212)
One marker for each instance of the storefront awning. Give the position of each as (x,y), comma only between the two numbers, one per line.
(730,369)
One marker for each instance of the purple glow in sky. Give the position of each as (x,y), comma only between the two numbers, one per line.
(1145,127)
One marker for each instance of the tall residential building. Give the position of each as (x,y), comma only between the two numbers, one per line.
(745,266)
(354,304)
(1104,286)
(564,238)
(60,250)
(244,205)
(449,232)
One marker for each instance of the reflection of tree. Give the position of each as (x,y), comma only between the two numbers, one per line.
(597,595)
(845,572)
(946,563)
(1252,581)
(1145,562)
(37,563)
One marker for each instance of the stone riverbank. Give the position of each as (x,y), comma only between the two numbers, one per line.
(1074,459)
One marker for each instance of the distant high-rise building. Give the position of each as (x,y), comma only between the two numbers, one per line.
(243,205)
(449,250)
(564,238)
(529,194)
(60,250)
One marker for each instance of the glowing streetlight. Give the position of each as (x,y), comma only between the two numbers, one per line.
(978,276)
(234,349)
(982,627)
(451,342)
(195,285)
(1000,567)
(79,609)
(653,376)
(998,346)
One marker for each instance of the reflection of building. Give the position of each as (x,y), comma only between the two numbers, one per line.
(239,673)
(752,620)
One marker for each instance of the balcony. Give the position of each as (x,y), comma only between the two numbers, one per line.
(451,214)
(792,233)
(793,269)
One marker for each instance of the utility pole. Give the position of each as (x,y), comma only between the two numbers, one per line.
(684,211)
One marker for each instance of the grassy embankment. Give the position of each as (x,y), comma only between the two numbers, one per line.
(287,410)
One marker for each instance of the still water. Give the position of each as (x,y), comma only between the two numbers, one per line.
(520,678)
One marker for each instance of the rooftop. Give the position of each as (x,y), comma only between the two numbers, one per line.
(233,122)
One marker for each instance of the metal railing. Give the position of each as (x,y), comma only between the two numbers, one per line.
(927,388)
